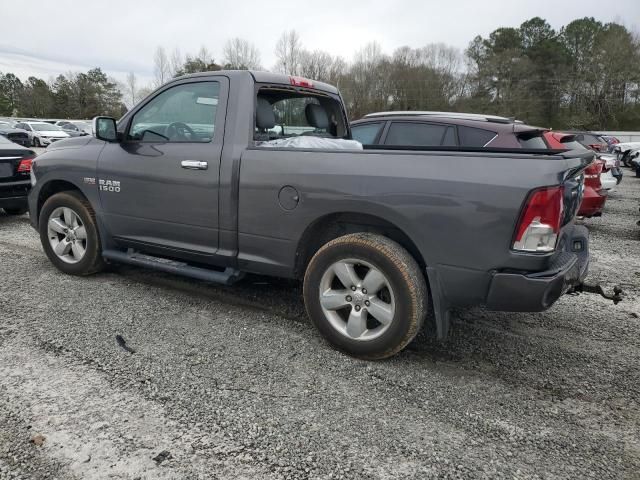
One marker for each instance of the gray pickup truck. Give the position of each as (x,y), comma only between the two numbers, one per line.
(221,173)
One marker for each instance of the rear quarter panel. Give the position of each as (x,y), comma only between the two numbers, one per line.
(460,209)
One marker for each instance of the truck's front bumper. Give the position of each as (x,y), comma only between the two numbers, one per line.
(537,291)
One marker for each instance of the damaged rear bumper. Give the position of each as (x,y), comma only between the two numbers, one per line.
(537,291)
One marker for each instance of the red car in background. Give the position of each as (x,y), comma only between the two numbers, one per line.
(594,195)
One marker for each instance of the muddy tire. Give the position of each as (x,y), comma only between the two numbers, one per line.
(366,295)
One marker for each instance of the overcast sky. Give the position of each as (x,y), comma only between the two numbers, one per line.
(45,38)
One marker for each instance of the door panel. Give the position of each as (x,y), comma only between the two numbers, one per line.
(159,186)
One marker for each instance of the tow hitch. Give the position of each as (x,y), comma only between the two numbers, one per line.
(597,289)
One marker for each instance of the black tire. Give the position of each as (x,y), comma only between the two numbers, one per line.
(36,142)
(404,277)
(16,211)
(92,261)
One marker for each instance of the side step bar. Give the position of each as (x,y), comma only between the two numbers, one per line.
(227,277)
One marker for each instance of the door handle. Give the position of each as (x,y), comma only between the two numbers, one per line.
(194,164)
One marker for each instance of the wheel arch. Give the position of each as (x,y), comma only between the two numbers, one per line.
(52,187)
(334,225)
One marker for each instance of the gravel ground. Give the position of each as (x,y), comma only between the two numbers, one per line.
(235,383)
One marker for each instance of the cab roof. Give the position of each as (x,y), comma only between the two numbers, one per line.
(267,78)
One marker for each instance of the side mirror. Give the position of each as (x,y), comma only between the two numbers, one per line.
(104,128)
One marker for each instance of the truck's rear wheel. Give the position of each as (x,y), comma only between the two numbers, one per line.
(69,234)
(366,295)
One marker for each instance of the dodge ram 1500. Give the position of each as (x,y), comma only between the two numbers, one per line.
(221,173)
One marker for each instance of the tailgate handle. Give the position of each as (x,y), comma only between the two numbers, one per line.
(194,165)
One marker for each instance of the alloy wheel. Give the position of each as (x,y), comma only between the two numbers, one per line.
(357,299)
(67,235)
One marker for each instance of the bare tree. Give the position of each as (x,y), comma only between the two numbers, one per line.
(241,55)
(131,89)
(161,68)
(205,56)
(316,64)
(176,61)
(442,58)
(288,52)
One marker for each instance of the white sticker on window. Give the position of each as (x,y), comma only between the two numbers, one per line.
(207,101)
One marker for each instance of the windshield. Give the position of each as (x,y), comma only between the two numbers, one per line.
(45,127)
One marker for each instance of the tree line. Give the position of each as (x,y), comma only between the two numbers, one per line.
(586,75)
(75,95)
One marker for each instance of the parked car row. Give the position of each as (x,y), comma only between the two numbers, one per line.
(473,131)
(40,133)
(629,155)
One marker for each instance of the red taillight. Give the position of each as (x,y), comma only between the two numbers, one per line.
(540,222)
(592,175)
(25,165)
(301,82)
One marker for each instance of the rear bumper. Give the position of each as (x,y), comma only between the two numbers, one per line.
(535,292)
(592,203)
(14,194)
(608,181)
(13,202)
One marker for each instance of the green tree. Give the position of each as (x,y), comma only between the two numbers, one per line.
(36,98)
(196,65)
(10,94)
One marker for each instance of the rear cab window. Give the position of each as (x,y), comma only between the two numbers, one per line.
(284,112)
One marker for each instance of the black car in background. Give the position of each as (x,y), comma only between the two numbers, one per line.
(16,135)
(15,182)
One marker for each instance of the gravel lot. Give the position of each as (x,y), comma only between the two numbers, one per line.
(235,383)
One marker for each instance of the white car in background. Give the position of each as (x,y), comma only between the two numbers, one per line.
(42,134)
(77,125)
(624,151)
(607,179)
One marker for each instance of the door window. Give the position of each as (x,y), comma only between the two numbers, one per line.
(366,133)
(184,113)
(416,134)
(475,137)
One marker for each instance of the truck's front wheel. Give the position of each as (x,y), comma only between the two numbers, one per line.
(366,295)
(69,234)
